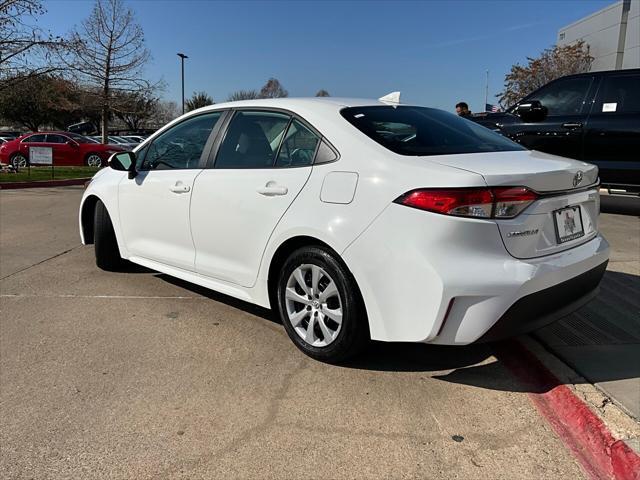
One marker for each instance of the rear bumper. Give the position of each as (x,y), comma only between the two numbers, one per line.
(432,278)
(538,309)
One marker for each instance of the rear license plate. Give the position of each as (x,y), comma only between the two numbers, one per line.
(568,224)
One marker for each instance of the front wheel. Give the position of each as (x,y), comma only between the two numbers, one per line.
(320,307)
(93,160)
(105,242)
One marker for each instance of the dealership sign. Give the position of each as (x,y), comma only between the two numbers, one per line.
(40,156)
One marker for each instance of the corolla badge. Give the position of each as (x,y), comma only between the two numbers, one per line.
(577,178)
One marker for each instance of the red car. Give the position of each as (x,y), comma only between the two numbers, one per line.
(67,149)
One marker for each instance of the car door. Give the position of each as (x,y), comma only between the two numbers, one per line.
(263,162)
(560,132)
(62,151)
(612,133)
(154,206)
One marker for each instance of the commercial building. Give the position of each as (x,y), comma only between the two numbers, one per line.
(613,35)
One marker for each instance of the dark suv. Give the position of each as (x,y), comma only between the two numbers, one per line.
(594,117)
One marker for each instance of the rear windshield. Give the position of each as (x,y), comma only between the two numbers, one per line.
(425,131)
(79,138)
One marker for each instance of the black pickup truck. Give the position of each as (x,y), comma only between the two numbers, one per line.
(594,117)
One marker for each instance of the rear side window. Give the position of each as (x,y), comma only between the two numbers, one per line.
(252,140)
(563,97)
(299,146)
(53,138)
(35,139)
(619,94)
(424,131)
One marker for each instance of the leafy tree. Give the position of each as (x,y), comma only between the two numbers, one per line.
(551,64)
(273,89)
(108,54)
(36,101)
(243,95)
(322,93)
(198,100)
(135,109)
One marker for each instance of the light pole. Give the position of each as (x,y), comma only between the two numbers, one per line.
(182,57)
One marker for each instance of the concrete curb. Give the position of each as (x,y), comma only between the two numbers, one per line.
(580,429)
(43,183)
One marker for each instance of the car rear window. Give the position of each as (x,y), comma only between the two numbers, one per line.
(422,131)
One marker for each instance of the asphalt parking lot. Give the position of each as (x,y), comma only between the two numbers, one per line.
(137,375)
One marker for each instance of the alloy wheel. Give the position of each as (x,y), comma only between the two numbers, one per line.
(20,161)
(314,307)
(94,160)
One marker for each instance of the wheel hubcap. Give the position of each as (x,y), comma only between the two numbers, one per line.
(314,307)
(94,161)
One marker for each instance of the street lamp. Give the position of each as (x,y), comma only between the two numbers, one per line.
(182,57)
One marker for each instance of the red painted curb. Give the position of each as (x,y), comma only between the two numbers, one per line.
(43,183)
(581,430)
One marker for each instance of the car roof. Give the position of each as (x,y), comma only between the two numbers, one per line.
(292,103)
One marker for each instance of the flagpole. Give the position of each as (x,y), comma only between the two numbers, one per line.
(486,92)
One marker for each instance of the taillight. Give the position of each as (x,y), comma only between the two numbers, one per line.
(500,202)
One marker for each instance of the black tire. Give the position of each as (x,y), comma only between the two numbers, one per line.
(89,155)
(19,158)
(353,334)
(105,242)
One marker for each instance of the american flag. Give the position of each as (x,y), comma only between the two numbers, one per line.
(491,108)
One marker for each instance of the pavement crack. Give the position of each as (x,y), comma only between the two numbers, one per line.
(40,262)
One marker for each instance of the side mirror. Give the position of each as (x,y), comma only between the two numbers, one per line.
(124,162)
(531,111)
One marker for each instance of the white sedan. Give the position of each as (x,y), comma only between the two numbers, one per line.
(355,220)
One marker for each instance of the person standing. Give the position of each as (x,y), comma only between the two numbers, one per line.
(462,109)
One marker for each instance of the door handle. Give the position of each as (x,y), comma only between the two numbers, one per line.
(180,188)
(272,189)
(572,125)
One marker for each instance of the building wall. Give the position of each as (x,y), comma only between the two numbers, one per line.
(613,35)
(632,40)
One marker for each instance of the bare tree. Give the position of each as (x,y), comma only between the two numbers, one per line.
(243,95)
(322,93)
(166,111)
(25,50)
(109,54)
(551,64)
(198,100)
(273,89)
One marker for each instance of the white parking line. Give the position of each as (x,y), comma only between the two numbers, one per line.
(117,297)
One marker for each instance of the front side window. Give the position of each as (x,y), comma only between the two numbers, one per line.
(420,131)
(252,140)
(299,146)
(564,97)
(181,146)
(54,138)
(619,95)
(35,139)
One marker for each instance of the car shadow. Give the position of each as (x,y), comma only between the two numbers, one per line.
(488,365)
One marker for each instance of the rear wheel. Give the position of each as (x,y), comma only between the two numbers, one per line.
(19,161)
(93,160)
(320,307)
(105,242)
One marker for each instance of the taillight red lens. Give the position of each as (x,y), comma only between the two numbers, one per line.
(501,202)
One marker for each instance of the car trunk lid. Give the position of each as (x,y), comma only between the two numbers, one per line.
(564,216)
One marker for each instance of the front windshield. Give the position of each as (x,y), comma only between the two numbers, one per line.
(80,138)
(420,131)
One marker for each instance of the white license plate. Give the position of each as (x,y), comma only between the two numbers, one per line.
(568,224)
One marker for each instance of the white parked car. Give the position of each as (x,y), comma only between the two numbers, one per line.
(355,220)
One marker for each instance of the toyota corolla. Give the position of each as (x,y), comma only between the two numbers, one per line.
(355,220)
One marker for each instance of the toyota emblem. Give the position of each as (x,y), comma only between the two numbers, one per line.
(577,178)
